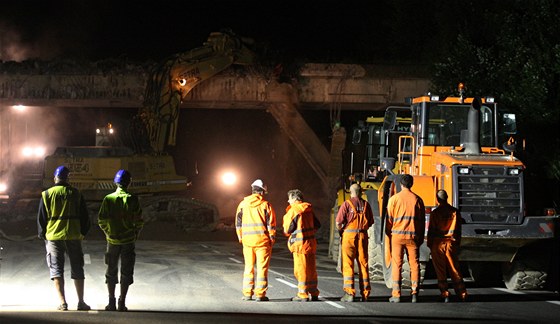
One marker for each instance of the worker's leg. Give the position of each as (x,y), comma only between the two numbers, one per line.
(263,261)
(128,259)
(311,274)
(348,253)
(455,271)
(365,287)
(249,272)
(76,256)
(396,265)
(439,261)
(412,251)
(55,261)
(300,274)
(59,286)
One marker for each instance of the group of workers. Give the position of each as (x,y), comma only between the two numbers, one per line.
(405,227)
(255,224)
(63,222)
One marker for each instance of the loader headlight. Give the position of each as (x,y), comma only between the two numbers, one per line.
(3,187)
(513,171)
(463,170)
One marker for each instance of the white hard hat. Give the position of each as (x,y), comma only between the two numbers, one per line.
(259,183)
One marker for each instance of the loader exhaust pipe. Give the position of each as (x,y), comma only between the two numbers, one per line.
(472,142)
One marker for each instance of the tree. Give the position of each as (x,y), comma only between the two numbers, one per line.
(518,62)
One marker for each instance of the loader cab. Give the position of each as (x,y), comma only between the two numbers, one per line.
(447,121)
(427,122)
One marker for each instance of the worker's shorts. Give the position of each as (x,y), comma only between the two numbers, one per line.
(55,258)
(126,253)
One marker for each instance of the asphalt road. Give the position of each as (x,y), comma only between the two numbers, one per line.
(200,281)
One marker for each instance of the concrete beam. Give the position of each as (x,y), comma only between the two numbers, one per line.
(318,86)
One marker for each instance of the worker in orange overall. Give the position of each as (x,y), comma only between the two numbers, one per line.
(405,228)
(353,220)
(255,224)
(444,239)
(300,224)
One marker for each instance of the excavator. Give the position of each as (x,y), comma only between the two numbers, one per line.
(154,130)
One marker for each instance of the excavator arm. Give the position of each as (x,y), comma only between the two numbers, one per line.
(175,77)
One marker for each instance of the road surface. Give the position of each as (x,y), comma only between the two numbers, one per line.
(199,280)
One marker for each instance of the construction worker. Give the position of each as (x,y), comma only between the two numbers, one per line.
(255,224)
(300,224)
(120,218)
(63,221)
(444,239)
(405,228)
(353,220)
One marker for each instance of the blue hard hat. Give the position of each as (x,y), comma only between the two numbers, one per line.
(61,172)
(123,177)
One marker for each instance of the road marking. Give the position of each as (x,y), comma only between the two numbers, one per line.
(333,304)
(235,260)
(287,283)
(515,292)
(277,273)
(204,246)
(216,251)
(87,258)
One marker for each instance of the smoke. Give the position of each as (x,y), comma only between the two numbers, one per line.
(14,46)
(11,45)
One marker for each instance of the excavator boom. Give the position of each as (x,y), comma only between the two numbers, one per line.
(174,78)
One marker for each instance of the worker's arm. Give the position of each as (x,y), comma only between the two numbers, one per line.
(42,220)
(85,223)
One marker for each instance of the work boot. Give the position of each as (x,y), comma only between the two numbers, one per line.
(122,307)
(347,298)
(112,306)
(247,297)
(63,307)
(262,299)
(299,299)
(82,306)
(314,298)
(395,300)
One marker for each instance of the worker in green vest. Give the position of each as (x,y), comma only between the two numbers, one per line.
(120,218)
(63,222)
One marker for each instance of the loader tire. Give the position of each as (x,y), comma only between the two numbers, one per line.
(375,258)
(518,275)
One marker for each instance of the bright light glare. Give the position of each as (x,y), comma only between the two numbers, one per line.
(3,187)
(229,178)
(33,152)
(19,107)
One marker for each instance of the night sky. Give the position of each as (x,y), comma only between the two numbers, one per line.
(307,30)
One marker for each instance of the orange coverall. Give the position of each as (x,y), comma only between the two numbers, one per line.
(355,217)
(405,226)
(300,224)
(444,239)
(255,224)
